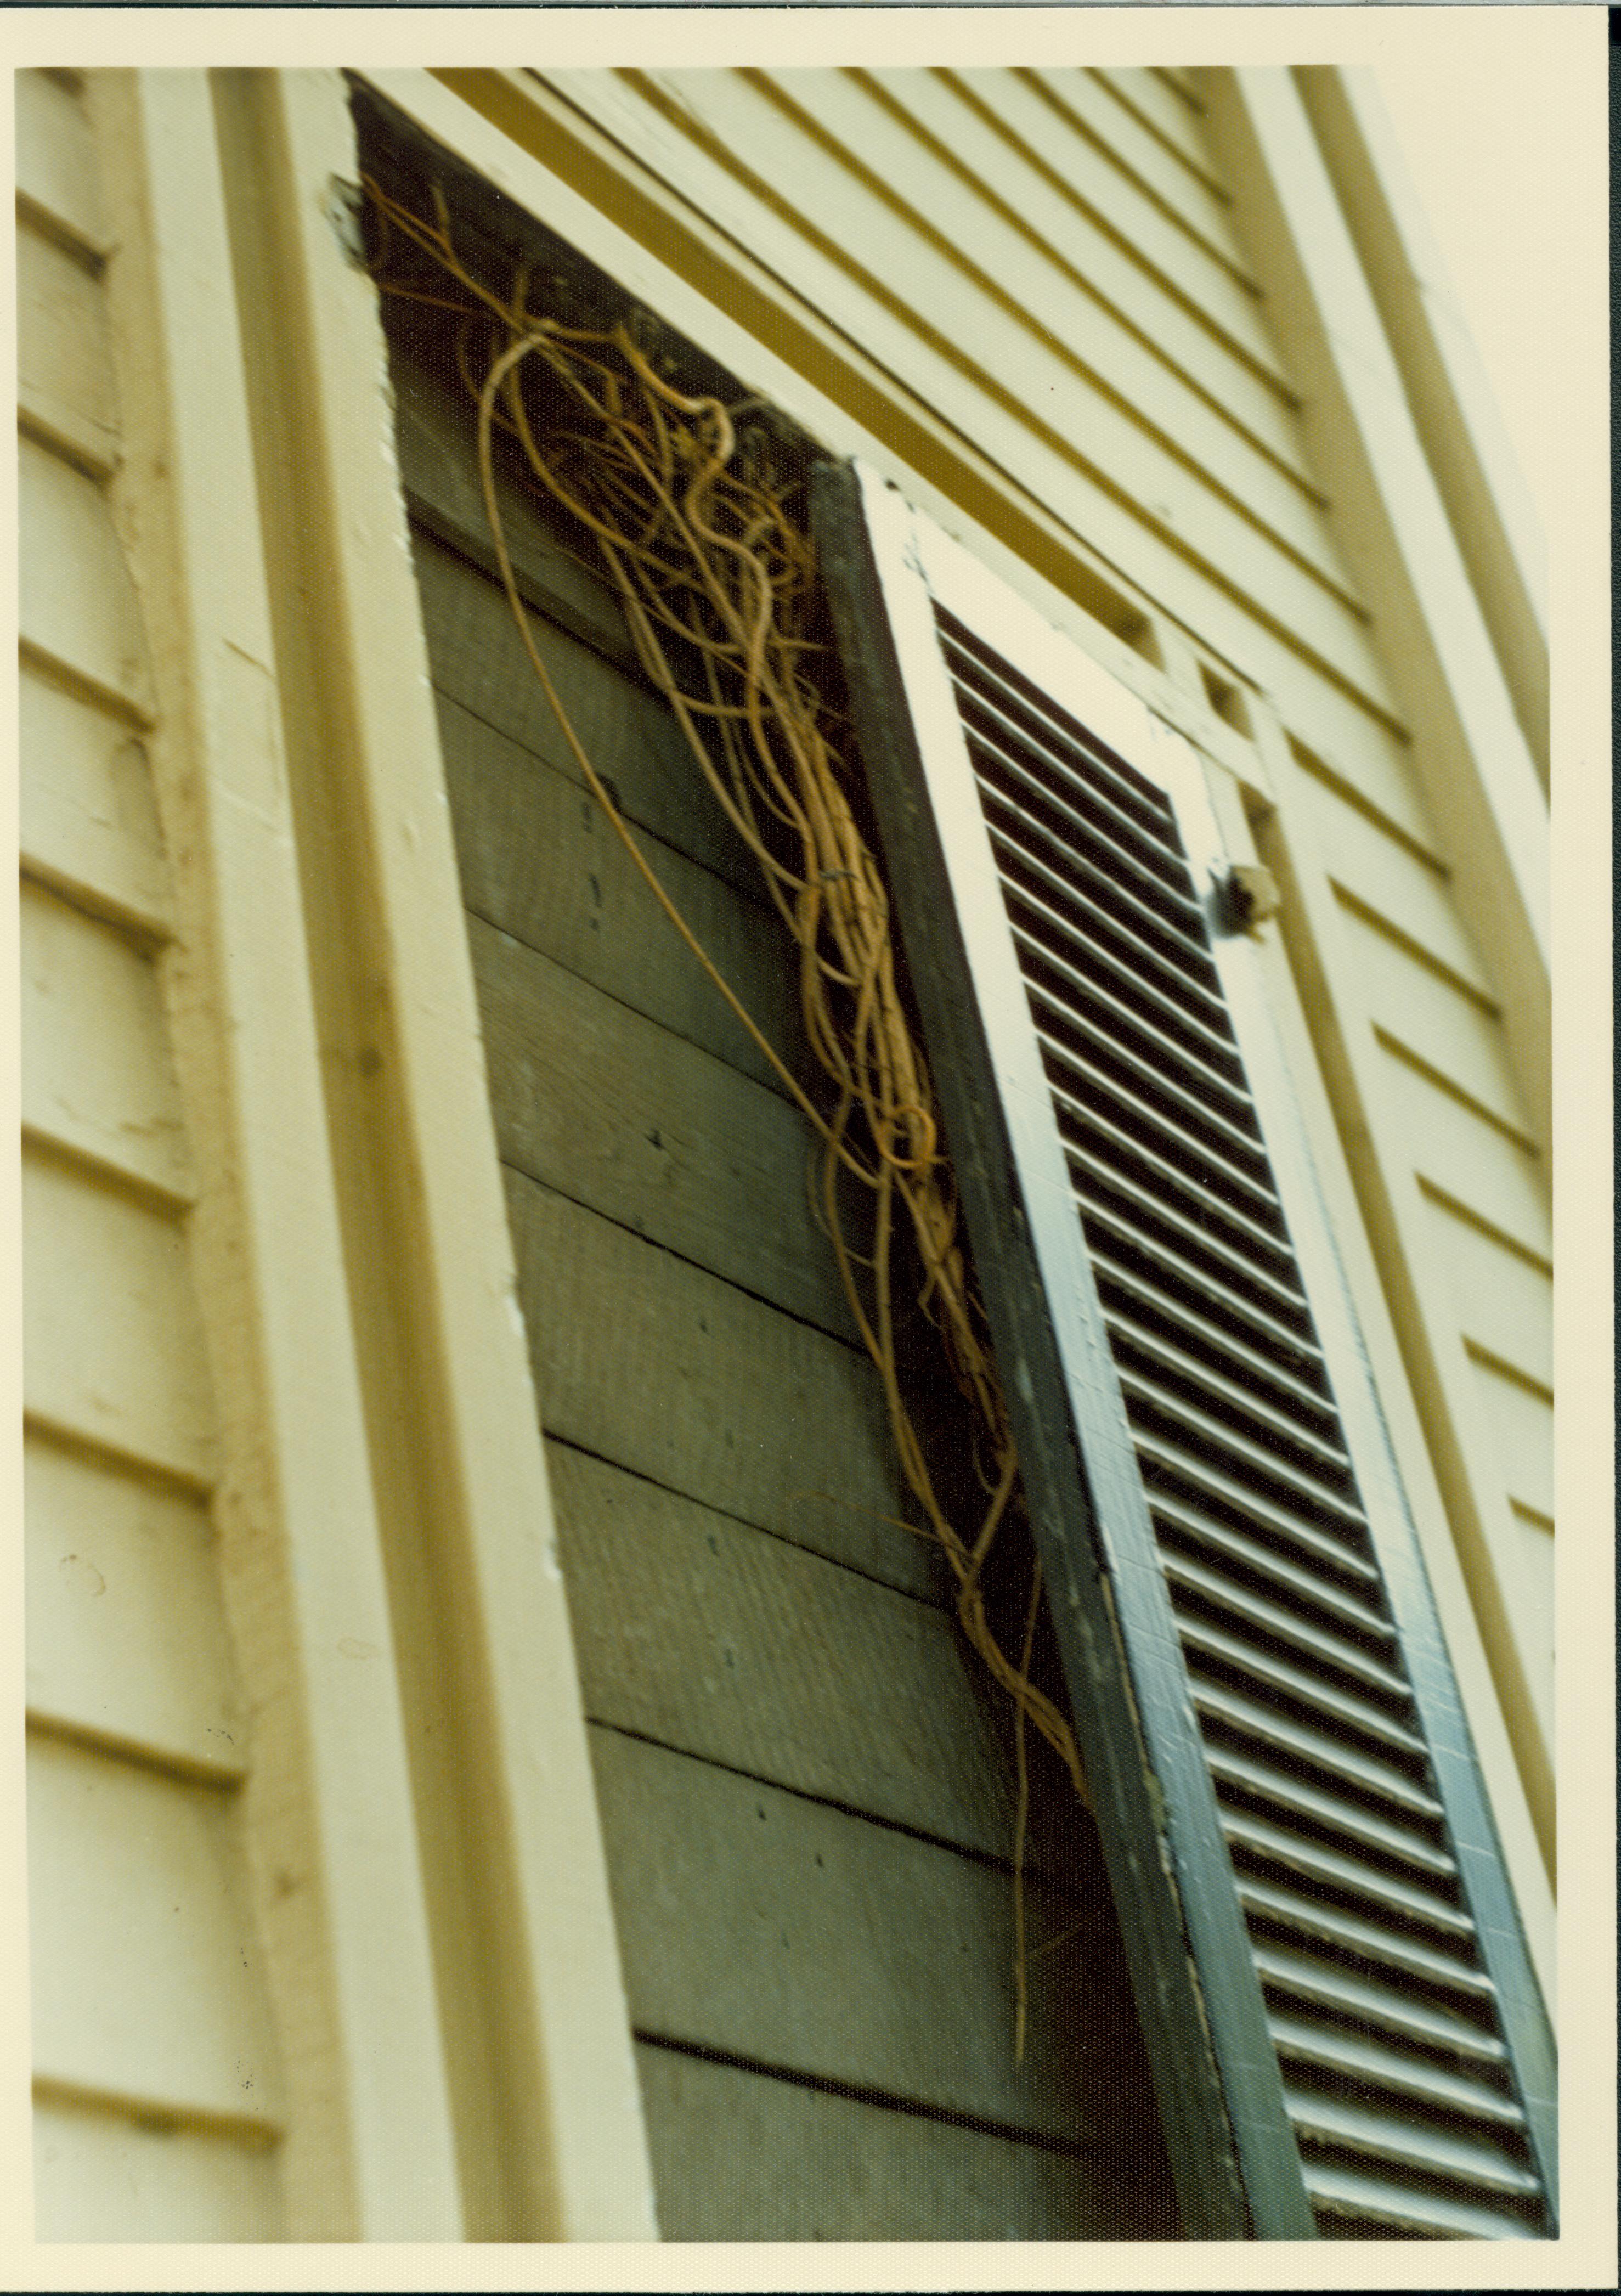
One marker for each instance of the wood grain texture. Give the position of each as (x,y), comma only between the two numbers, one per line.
(102,2175)
(649,1361)
(150,1990)
(125,1631)
(97,1072)
(740,2156)
(87,821)
(77,602)
(719,1641)
(112,1346)
(762,1925)
(613,1110)
(541,862)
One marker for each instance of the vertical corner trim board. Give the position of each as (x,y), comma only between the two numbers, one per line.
(1296,1830)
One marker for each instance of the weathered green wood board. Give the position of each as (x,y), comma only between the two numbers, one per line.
(739,2156)
(756,1626)
(762,1925)
(592,1098)
(541,861)
(661,1368)
(678,1618)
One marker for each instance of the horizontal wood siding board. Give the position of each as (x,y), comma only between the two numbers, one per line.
(1290,639)
(1468,1160)
(765,1926)
(719,1641)
(126,1636)
(57,175)
(1102,272)
(541,864)
(656,1365)
(615,1111)
(479,664)
(1500,1301)
(77,602)
(1193,204)
(104,2175)
(914,172)
(97,1074)
(112,1347)
(1164,113)
(435,431)
(1202,283)
(1444,1031)
(87,823)
(740,2156)
(64,368)
(151,1989)
(943,319)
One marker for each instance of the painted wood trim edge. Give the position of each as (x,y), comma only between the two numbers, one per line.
(545,1952)
(1467,747)
(1486,497)
(327,1811)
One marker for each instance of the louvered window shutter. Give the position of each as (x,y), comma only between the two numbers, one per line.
(1346,2035)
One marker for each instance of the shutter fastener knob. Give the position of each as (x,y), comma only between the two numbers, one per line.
(1248,896)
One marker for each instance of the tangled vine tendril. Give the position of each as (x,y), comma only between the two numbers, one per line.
(718,582)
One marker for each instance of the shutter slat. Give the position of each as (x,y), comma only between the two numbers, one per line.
(1147,1299)
(1349,2201)
(1308,1860)
(1060,894)
(1149,1019)
(1349,1822)
(1135,920)
(1330,1755)
(1333,2120)
(979,666)
(1293,1576)
(1246,1458)
(1329,1986)
(1394,1949)
(1156,1084)
(1074,797)
(1327,2050)
(1133,1340)
(1040,929)
(1276,1675)
(1215,1284)
(1197,1473)
(1259,1328)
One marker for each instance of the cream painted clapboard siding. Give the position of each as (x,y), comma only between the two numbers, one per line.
(157,2098)
(719,142)
(1088,221)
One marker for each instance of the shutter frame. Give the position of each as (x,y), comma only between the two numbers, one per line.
(1205,2020)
